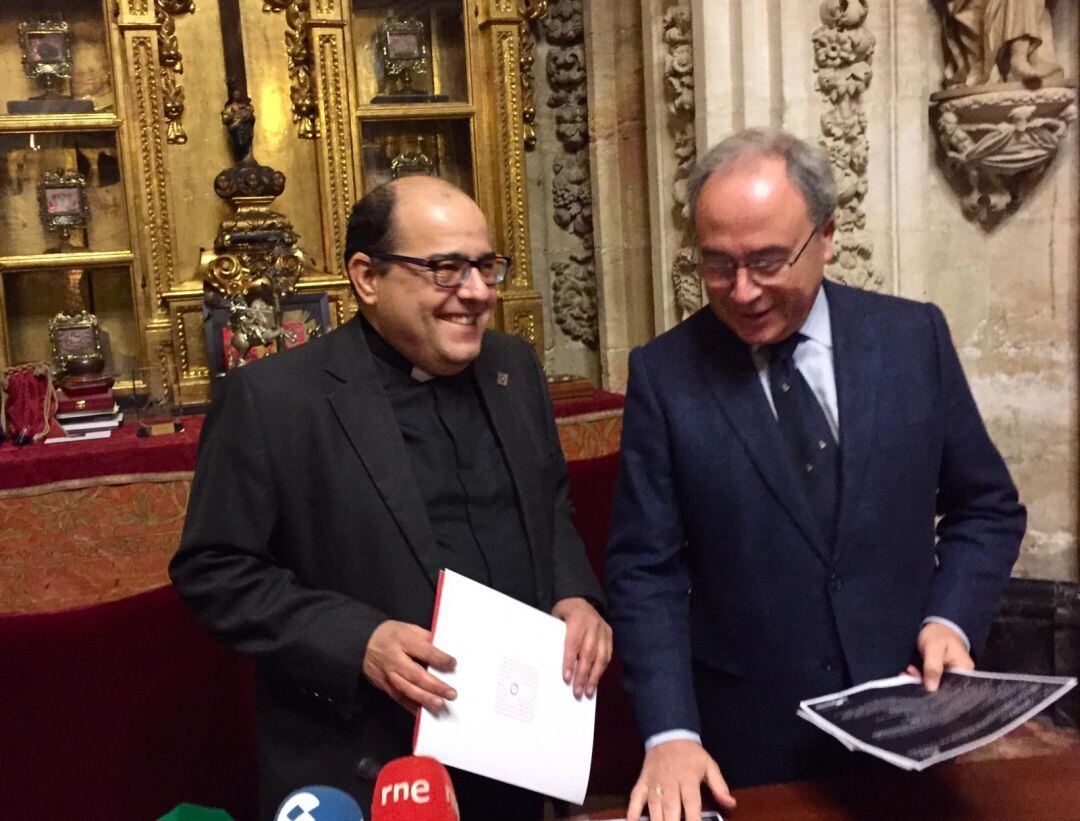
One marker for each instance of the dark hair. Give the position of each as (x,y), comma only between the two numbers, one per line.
(371,223)
(808,167)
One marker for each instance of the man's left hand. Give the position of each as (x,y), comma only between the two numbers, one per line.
(941,648)
(588,644)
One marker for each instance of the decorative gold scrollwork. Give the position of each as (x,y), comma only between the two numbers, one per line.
(525,326)
(530,10)
(226,273)
(305,103)
(172,64)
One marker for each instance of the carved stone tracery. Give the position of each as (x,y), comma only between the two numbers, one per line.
(843,50)
(679,85)
(573,281)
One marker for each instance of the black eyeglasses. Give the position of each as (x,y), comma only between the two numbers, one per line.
(452,271)
(720,269)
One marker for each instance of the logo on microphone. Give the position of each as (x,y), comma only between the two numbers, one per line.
(319,804)
(416,788)
(298,807)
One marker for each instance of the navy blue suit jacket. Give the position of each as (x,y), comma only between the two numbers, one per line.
(727,603)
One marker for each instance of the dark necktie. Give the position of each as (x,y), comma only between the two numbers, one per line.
(806,433)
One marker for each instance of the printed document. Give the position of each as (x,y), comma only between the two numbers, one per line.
(514,718)
(896,720)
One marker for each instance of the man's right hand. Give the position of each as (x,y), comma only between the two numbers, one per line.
(670,783)
(394,662)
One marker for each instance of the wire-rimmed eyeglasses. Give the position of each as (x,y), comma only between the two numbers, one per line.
(721,269)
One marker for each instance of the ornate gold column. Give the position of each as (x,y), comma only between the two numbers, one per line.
(321,79)
(154,236)
(520,307)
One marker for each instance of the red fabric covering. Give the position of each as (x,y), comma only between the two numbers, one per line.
(122,711)
(123,453)
(599,401)
(125,709)
(617,751)
(29,403)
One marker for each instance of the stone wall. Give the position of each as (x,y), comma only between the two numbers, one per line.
(1008,291)
(560,192)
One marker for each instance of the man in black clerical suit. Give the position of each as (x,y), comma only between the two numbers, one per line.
(335,480)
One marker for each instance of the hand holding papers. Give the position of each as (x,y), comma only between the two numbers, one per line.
(514,718)
(896,720)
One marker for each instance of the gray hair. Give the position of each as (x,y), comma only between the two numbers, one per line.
(808,167)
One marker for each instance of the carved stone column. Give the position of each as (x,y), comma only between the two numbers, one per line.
(843,51)
(621,183)
(573,282)
(670,107)
(560,191)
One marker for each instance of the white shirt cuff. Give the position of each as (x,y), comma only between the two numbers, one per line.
(671,735)
(952,626)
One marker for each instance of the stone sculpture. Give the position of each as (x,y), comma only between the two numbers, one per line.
(1004,107)
(981,36)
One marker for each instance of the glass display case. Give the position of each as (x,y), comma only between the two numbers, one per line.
(60,191)
(395,148)
(436,89)
(66,244)
(111,135)
(54,59)
(410,52)
(33,297)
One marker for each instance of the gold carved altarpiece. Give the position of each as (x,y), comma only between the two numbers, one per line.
(154,142)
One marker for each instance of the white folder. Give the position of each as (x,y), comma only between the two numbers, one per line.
(514,718)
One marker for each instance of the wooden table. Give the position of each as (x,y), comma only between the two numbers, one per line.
(1032,789)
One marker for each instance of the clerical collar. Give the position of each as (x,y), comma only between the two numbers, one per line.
(389,354)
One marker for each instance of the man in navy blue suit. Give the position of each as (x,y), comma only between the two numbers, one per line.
(808,497)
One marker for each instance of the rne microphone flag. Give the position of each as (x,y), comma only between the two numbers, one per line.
(319,803)
(414,788)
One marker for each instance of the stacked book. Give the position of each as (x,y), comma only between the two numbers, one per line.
(82,416)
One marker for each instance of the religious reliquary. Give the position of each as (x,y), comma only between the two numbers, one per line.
(402,52)
(45,44)
(76,345)
(62,205)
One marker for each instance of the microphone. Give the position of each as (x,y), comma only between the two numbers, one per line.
(319,803)
(414,788)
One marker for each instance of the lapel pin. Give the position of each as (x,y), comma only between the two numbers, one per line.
(502,378)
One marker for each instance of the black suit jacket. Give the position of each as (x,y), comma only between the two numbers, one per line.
(306,530)
(727,603)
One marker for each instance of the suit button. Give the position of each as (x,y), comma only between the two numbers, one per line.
(827,665)
(367,769)
(835,582)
